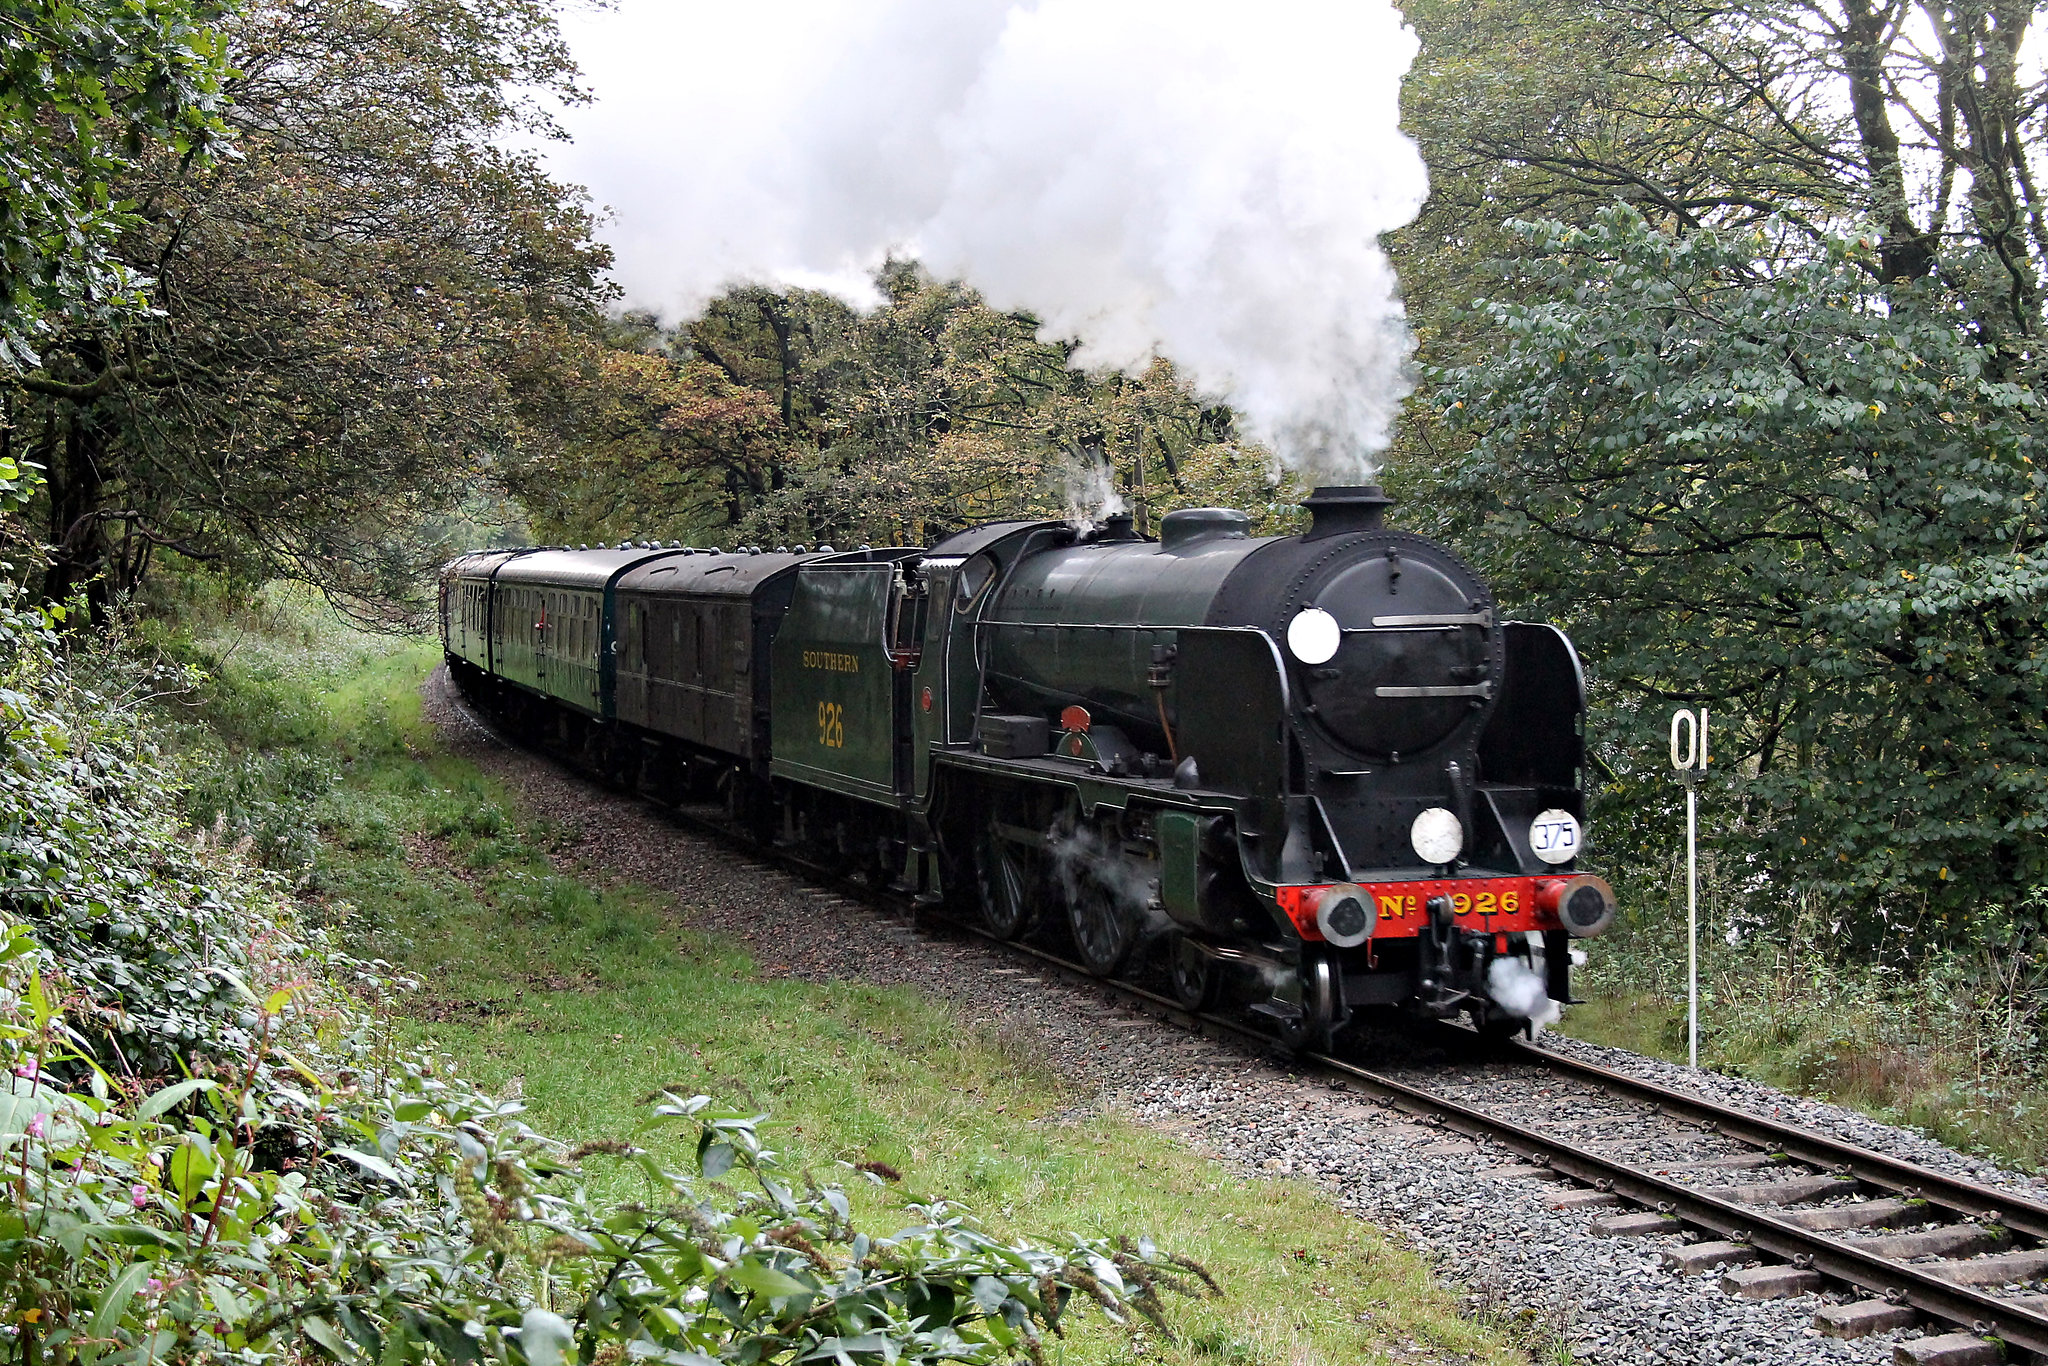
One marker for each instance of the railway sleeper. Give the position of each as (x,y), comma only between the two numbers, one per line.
(1776,1282)
(2003,1268)
(1945,1240)
(1796,1190)
(1948,1349)
(1863,1317)
(1694,1258)
(1863,1214)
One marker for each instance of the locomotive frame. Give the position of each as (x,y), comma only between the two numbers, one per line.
(1254,752)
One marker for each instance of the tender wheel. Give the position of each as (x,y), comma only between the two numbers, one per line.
(1193,972)
(1007,878)
(1104,932)
(1319,1007)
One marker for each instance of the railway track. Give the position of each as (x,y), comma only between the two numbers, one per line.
(1774,1209)
(1790,1214)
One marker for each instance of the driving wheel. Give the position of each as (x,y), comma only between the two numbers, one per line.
(1007,877)
(1104,931)
(1318,1018)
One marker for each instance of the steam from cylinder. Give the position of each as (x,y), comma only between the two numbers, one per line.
(1521,991)
(1197,179)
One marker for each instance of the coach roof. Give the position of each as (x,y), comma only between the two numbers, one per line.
(586,569)
(711,574)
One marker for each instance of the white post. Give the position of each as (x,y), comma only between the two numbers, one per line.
(1691,761)
(1692,922)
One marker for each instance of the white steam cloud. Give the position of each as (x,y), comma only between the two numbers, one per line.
(1084,854)
(1521,991)
(1090,493)
(1202,180)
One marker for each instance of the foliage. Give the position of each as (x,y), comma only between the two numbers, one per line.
(356,316)
(1813,505)
(1906,122)
(161,1223)
(215,1152)
(85,86)
(786,417)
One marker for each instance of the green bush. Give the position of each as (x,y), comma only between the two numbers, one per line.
(214,1153)
(422,1222)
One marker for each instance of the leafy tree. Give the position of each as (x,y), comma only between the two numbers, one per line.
(85,86)
(1914,121)
(1769,483)
(789,417)
(358,316)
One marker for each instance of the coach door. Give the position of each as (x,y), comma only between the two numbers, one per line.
(543,622)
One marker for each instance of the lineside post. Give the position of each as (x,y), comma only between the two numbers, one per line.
(1690,759)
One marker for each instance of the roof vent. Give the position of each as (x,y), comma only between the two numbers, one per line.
(1190,525)
(1340,508)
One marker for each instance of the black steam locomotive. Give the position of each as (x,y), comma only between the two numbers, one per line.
(1317,769)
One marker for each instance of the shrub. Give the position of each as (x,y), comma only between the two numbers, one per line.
(214,1153)
(422,1223)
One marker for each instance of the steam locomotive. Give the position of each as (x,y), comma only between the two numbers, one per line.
(1313,773)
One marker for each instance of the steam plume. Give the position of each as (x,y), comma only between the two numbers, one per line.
(1194,178)
(1091,496)
(1520,990)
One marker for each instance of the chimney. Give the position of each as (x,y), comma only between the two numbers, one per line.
(1118,526)
(1340,508)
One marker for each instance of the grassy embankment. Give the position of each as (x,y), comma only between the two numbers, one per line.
(1953,1049)
(592,995)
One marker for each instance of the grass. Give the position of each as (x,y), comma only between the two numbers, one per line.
(591,996)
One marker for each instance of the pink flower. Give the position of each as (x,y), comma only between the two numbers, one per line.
(32,1071)
(139,1194)
(155,1287)
(36,1126)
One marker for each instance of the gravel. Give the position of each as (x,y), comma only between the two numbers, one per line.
(1486,1225)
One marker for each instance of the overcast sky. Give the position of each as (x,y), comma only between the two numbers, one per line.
(1201,179)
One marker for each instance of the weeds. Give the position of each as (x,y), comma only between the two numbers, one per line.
(1950,1042)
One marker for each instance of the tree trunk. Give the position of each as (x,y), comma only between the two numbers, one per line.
(1906,253)
(77,459)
